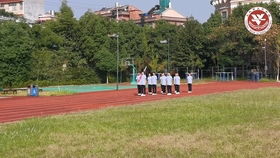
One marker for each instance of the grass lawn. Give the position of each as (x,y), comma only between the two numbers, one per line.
(237,124)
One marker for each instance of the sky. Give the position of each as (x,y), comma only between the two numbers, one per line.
(199,9)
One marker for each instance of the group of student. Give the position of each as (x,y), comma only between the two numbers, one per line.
(166,82)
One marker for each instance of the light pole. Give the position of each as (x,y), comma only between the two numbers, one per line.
(265,59)
(168,52)
(117,7)
(278,66)
(118,56)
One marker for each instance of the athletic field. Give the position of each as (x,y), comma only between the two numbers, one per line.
(18,108)
(225,119)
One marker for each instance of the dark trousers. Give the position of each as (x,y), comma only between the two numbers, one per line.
(190,87)
(177,88)
(154,89)
(163,88)
(169,89)
(150,88)
(139,89)
(143,89)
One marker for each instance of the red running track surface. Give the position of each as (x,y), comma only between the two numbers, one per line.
(19,108)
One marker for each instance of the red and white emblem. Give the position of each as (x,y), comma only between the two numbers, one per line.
(258,20)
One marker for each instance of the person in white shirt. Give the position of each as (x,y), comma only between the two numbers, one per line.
(177,81)
(169,84)
(149,84)
(163,83)
(154,84)
(138,84)
(143,81)
(190,81)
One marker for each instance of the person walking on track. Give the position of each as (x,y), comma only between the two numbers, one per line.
(143,81)
(177,81)
(169,84)
(190,81)
(150,84)
(163,83)
(138,84)
(154,84)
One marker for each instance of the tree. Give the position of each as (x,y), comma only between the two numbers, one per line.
(106,62)
(15,51)
(95,44)
(7,14)
(271,41)
(254,44)
(214,21)
(190,46)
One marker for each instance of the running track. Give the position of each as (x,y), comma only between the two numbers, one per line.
(19,108)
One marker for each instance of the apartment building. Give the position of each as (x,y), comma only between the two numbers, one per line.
(162,11)
(225,7)
(12,6)
(122,13)
(50,15)
(29,9)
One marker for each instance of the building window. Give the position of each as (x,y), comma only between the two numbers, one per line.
(21,6)
(12,4)
(224,15)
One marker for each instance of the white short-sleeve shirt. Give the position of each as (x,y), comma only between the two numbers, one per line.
(163,80)
(150,80)
(169,80)
(190,79)
(138,79)
(154,80)
(143,80)
(177,80)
